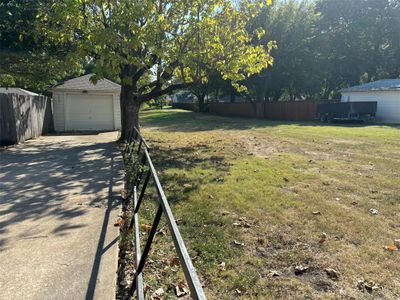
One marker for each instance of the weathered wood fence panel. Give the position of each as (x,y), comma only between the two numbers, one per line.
(240,109)
(24,117)
(291,111)
(284,110)
(8,133)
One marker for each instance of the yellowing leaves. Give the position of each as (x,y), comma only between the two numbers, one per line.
(212,34)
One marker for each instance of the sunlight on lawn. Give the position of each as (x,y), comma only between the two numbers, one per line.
(257,195)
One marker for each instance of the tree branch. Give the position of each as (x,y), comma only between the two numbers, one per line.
(157,93)
(103,14)
(165,76)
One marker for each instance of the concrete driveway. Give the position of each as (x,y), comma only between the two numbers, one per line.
(59,200)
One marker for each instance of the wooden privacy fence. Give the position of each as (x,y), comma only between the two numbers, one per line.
(291,111)
(240,109)
(282,110)
(24,117)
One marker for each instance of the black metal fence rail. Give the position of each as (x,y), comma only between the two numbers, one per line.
(136,152)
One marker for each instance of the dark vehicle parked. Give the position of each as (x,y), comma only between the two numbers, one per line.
(346,111)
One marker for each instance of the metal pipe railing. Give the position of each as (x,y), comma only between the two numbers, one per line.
(142,157)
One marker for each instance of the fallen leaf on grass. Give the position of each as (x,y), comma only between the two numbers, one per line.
(180,290)
(119,222)
(261,241)
(157,295)
(332,273)
(161,231)
(219,179)
(300,269)
(180,222)
(221,266)
(238,243)
(174,262)
(273,273)
(373,211)
(368,286)
(242,222)
(145,227)
(322,238)
(391,248)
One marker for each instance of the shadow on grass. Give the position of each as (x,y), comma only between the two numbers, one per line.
(178,186)
(188,121)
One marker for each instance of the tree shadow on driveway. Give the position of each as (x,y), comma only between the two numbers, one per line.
(36,182)
(58,188)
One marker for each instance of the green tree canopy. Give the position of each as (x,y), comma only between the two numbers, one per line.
(291,24)
(26,58)
(325,45)
(161,40)
(359,41)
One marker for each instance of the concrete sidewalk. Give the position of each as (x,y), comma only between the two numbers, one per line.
(59,200)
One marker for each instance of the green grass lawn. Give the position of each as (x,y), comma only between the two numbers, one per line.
(253,198)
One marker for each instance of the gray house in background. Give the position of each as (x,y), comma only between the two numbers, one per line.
(385,92)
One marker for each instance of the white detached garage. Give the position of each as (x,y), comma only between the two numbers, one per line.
(385,92)
(79,105)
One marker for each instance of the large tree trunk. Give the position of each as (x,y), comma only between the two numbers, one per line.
(260,93)
(130,105)
(129,111)
(200,99)
(233,95)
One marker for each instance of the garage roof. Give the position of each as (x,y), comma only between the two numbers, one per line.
(380,85)
(18,91)
(83,83)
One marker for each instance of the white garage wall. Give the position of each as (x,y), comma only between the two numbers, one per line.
(388,103)
(58,111)
(117,112)
(61,110)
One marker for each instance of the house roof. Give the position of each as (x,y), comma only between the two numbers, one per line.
(380,85)
(84,83)
(18,91)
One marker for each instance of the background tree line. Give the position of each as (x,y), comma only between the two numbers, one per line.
(321,47)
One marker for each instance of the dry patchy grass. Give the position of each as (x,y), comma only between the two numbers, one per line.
(275,188)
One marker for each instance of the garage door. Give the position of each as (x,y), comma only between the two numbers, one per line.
(89,112)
